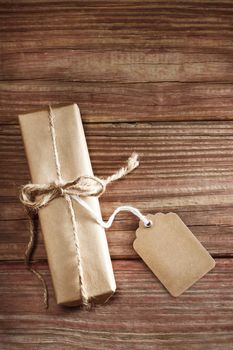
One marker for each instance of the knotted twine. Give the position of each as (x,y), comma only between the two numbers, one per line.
(36,196)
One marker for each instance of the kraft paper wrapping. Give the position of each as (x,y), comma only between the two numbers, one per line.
(55,220)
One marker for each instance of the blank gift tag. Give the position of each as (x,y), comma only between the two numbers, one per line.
(172,252)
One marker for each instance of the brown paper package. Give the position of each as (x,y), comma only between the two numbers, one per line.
(55,218)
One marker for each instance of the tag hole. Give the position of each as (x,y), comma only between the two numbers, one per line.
(149,224)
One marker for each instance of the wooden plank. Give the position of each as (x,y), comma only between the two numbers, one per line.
(141,315)
(213,227)
(103,25)
(114,66)
(185,167)
(114,102)
(121,60)
(173,155)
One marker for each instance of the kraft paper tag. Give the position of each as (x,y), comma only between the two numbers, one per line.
(172,252)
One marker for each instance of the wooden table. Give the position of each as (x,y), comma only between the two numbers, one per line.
(149,76)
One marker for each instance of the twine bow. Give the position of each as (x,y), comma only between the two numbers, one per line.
(37,196)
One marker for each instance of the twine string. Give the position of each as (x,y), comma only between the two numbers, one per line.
(60,191)
(108,223)
(33,229)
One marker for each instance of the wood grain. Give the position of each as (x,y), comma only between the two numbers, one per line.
(79,65)
(149,76)
(115,102)
(172,154)
(213,227)
(120,60)
(194,26)
(141,315)
(185,167)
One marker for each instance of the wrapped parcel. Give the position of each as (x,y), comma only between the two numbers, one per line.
(79,261)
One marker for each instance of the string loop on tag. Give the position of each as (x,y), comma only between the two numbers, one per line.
(104,224)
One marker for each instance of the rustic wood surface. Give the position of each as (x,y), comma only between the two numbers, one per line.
(154,77)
